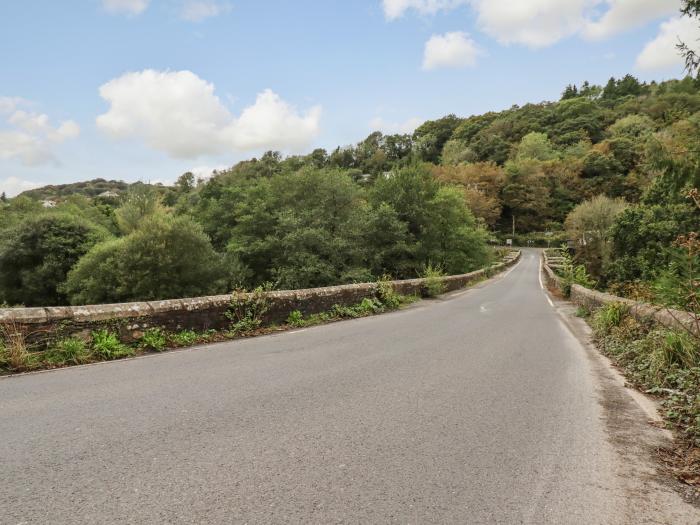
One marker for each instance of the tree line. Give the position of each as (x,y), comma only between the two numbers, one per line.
(388,205)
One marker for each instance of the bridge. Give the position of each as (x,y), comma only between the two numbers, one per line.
(483,406)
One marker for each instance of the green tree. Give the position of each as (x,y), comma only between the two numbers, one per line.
(589,224)
(142,201)
(36,255)
(536,146)
(165,257)
(690,8)
(430,137)
(451,239)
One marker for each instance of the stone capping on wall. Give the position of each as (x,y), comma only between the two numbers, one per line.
(592,299)
(200,311)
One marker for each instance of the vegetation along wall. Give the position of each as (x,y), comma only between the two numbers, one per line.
(130,320)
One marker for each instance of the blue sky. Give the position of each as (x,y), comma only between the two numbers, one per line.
(148,89)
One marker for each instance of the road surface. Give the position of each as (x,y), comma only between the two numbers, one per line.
(479,407)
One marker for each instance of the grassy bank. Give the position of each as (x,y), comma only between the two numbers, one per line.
(661,362)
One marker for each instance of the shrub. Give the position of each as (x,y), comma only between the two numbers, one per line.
(386,294)
(608,317)
(184,338)
(69,351)
(36,256)
(106,345)
(166,257)
(571,274)
(246,310)
(296,319)
(365,307)
(433,284)
(153,339)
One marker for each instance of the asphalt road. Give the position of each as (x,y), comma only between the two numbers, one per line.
(480,407)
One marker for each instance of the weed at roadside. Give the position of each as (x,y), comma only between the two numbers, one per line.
(69,351)
(13,347)
(185,338)
(153,339)
(433,284)
(107,345)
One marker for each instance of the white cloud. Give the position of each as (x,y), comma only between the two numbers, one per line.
(390,128)
(9,104)
(178,113)
(451,50)
(206,172)
(661,53)
(30,135)
(12,186)
(198,10)
(396,8)
(627,14)
(129,7)
(535,23)
(540,23)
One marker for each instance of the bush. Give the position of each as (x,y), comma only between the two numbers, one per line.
(386,294)
(36,256)
(571,274)
(106,345)
(608,317)
(165,258)
(153,339)
(433,284)
(246,310)
(295,319)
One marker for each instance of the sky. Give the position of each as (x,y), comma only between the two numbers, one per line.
(149,89)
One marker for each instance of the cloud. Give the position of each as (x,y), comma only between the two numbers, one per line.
(30,136)
(451,50)
(661,53)
(129,7)
(178,113)
(627,14)
(9,104)
(540,23)
(206,172)
(396,8)
(12,186)
(535,23)
(391,128)
(198,10)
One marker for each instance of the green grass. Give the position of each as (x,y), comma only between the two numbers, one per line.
(153,339)
(608,317)
(71,351)
(184,338)
(657,360)
(106,345)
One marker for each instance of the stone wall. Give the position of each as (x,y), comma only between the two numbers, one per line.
(204,313)
(644,312)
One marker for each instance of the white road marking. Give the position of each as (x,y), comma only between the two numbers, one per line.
(539,275)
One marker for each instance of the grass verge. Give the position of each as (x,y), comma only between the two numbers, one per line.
(661,362)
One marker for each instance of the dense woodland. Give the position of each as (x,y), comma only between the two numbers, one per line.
(607,167)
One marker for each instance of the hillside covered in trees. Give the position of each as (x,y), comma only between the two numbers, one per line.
(388,205)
